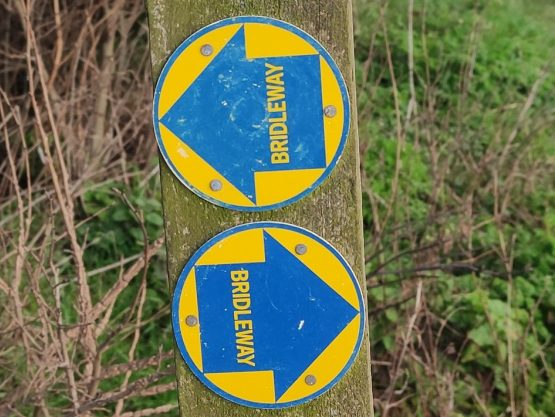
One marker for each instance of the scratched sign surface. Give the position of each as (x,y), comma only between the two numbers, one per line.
(268,315)
(251,113)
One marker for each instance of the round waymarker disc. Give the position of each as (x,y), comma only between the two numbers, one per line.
(268,315)
(251,113)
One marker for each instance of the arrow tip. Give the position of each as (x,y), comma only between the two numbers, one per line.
(310,318)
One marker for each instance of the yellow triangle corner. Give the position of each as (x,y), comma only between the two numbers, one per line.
(274,187)
(327,366)
(263,40)
(189,65)
(246,246)
(321,261)
(188,306)
(256,386)
(198,172)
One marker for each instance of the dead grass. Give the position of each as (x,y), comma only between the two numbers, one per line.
(74,111)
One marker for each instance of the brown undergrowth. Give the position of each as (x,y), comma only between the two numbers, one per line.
(457,162)
(74,113)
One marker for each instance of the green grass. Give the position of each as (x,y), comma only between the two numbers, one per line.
(475,63)
(475,183)
(463,221)
(115,233)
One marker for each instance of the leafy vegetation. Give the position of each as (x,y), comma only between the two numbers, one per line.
(459,205)
(456,104)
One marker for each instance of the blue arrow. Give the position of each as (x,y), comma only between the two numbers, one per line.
(223,116)
(294,316)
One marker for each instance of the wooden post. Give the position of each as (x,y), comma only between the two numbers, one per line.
(333,210)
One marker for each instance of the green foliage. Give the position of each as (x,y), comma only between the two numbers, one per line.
(467,208)
(113,233)
(113,227)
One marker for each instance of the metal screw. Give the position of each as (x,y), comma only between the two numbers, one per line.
(191,321)
(215,185)
(206,50)
(300,249)
(330,111)
(310,380)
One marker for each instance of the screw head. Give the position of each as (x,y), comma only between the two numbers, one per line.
(310,380)
(191,321)
(301,249)
(330,111)
(216,185)
(206,49)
